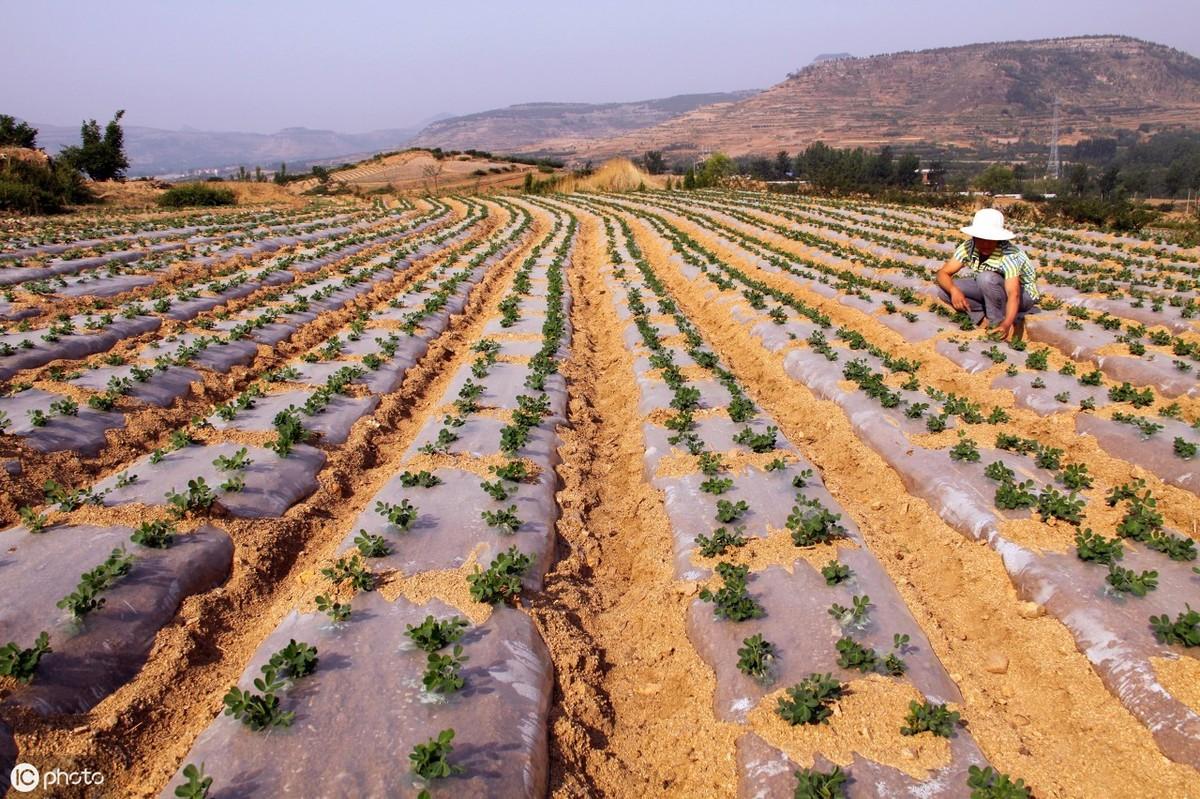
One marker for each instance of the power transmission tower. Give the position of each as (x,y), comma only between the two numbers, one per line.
(1054,166)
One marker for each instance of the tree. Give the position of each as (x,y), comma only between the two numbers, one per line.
(1078,179)
(783,165)
(16,134)
(689,178)
(715,168)
(431,173)
(1107,182)
(997,179)
(879,171)
(102,157)
(654,162)
(281,175)
(321,174)
(906,170)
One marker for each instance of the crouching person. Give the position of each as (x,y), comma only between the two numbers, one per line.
(999,285)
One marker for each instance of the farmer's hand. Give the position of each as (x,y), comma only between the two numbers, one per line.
(958,299)
(1005,330)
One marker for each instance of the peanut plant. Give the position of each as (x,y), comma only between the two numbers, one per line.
(814,784)
(506,520)
(719,542)
(21,664)
(443,673)
(928,717)
(432,635)
(502,579)
(732,599)
(350,570)
(1184,631)
(431,760)
(196,785)
(86,596)
(986,783)
(810,701)
(755,657)
(336,611)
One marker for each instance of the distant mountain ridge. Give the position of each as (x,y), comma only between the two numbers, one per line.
(155,151)
(972,96)
(511,129)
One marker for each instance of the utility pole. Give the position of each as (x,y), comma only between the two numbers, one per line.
(1054,166)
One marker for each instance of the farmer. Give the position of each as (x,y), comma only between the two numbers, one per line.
(999,286)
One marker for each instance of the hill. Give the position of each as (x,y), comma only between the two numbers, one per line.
(517,127)
(974,96)
(155,151)
(420,172)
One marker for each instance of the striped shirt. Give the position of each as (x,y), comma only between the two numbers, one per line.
(1008,259)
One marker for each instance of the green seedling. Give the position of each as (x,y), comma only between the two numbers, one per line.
(986,783)
(156,534)
(431,760)
(1184,631)
(814,784)
(502,579)
(1096,548)
(853,655)
(1126,581)
(506,520)
(402,515)
(432,634)
(928,717)
(421,479)
(728,512)
(86,596)
(810,701)
(337,611)
(21,664)
(732,600)
(835,572)
(372,546)
(196,785)
(755,657)
(350,570)
(855,615)
(719,542)
(443,673)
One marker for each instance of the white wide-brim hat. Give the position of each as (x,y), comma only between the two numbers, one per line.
(988,224)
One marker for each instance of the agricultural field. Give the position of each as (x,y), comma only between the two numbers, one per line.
(691,494)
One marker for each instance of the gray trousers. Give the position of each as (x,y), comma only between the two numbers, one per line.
(986,296)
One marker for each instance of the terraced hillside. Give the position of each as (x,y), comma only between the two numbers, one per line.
(662,493)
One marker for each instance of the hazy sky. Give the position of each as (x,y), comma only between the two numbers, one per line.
(358,65)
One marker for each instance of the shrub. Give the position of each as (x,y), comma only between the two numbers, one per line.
(196,194)
(31,187)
